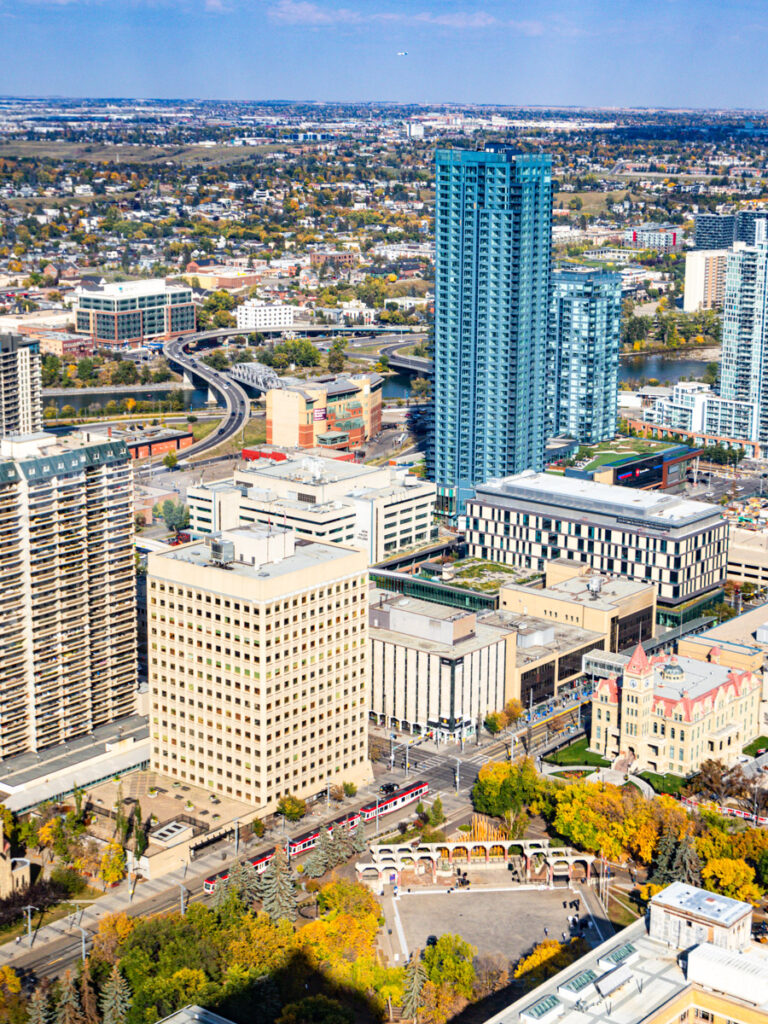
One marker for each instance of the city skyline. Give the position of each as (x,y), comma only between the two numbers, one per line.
(365,50)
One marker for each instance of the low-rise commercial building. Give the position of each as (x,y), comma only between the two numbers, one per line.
(21,410)
(678,545)
(433,667)
(131,312)
(379,510)
(61,343)
(142,442)
(330,412)
(258,664)
(263,316)
(668,714)
(621,610)
(748,556)
(691,958)
(212,277)
(665,469)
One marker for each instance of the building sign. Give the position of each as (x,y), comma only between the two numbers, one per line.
(319,414)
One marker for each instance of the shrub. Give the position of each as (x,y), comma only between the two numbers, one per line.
(71,881)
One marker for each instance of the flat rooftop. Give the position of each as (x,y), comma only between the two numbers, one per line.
(739,631)
(612,590)
(564,636)
(711,906)
(638,990)
(694,678)
(310,471)
(582,495)
(306,554)
(132,288)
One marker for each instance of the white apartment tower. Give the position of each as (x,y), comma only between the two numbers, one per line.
(20,385)
(257,652)
(68,622)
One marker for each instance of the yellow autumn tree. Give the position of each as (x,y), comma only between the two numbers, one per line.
(547,959)
(112,868)
(112,932)
(732,877)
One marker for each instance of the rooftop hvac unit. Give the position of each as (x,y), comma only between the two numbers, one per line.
(594,586)
(222,552)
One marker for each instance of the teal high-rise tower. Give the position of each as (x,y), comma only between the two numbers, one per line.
(493,230)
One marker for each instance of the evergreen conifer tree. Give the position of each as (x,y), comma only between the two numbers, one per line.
(324,855)
(116,998)
(358,839)
(245,882)
(278,892)
(342,841)
(68,1010)
(415,978)
(687,866)
(39,1008)
(664,858)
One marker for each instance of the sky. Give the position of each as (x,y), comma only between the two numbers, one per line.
(607,53)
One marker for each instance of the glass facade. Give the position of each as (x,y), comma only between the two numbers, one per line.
(493,219)
(126,318)
(582,375)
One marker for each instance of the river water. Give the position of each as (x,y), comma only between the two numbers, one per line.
(398,385)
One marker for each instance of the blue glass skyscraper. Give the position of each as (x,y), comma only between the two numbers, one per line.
(493,228)
(585,333)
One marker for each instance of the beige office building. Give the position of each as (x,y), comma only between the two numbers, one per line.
(622,610)
(748,556)
(68,621)
(380,509)
(21,404)
(704,279)
(258,660)
(670,713)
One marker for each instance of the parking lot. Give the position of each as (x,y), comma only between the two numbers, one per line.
(505,922)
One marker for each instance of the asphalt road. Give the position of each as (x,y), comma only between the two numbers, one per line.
(235,399)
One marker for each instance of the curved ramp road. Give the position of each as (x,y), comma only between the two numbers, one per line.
(234,398)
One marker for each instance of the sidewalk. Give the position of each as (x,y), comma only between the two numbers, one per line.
(616,778)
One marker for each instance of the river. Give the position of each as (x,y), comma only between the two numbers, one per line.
(192,399)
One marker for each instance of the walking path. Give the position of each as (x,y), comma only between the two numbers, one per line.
(600,775)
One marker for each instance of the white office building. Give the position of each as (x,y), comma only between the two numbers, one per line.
(704,279)
(379,509)
(262,316)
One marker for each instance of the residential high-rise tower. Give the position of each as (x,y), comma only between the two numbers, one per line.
(585,331)
(493,219)
(68,621)
(20,385)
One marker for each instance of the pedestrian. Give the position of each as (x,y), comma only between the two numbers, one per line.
(565,904)
(546,932)
(564,936)
(18,939)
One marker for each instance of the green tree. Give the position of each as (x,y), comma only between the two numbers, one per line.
(449,962)
(349,789)
(322,858)
(115,998)
(336,356)
(217,360)
(69,412)
(292,808)
(125,372)
(316,1010)
(415,977)
(85,369)
(436,813)
(39,1011)
(687,866)
(140,841)
(242,882)
(664,858)
(175,514)
(278,891)
(171,460)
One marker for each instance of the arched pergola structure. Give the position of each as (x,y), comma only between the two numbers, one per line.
(388,861)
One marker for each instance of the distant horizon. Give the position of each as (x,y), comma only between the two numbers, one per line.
(316,101)
(686,55)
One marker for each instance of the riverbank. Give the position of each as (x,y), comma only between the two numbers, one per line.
(708,353)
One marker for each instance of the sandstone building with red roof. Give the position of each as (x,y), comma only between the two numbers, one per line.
(669,714)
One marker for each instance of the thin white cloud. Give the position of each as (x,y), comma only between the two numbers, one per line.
(306,12)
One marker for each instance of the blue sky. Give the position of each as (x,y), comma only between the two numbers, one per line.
(699,53)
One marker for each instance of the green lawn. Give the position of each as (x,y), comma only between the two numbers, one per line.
(758,744)
(203,428)
(664,783)
(577,753)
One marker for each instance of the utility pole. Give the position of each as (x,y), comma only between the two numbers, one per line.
(182,893)
(83,937)
(237,836)
(458,773)
(28,911)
